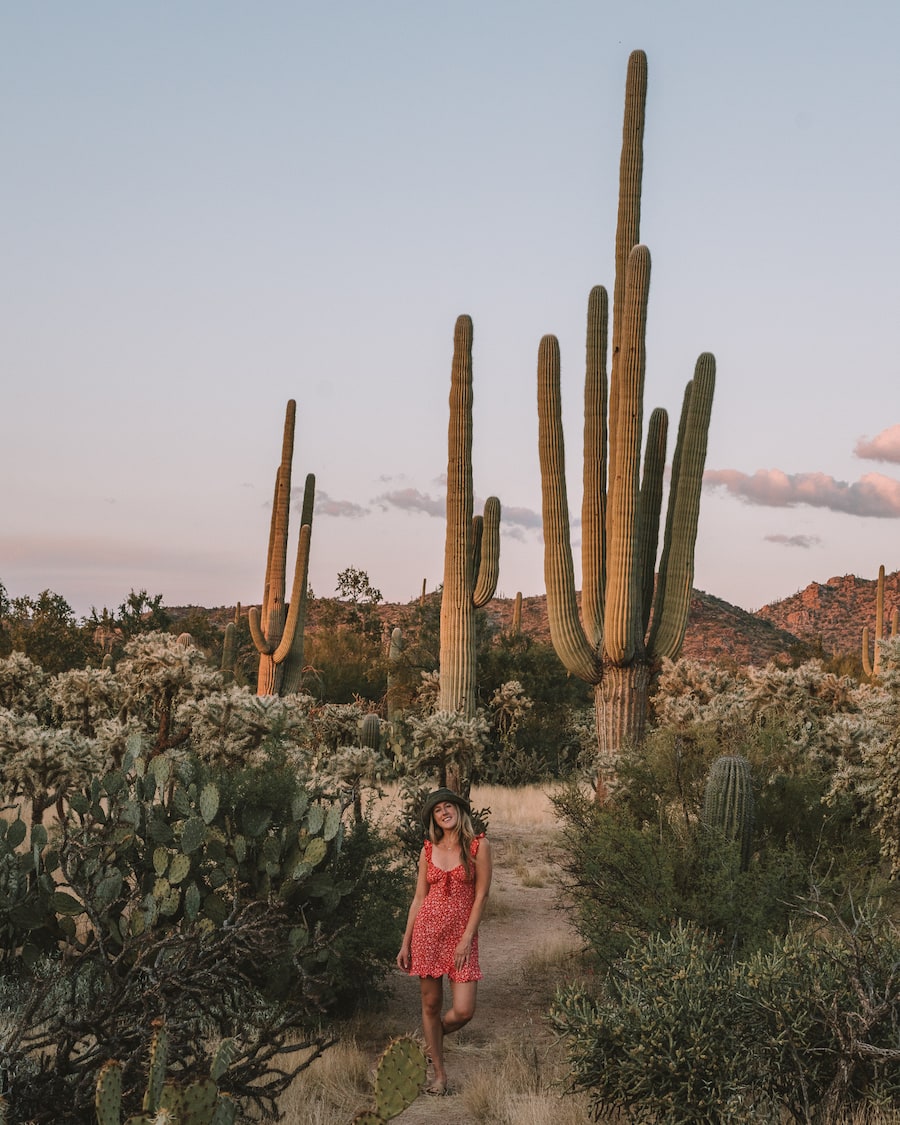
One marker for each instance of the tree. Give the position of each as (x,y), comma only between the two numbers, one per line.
(46,630)
(140,613)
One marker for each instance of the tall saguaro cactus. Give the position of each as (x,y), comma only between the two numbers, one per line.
(472,546)
(630,618)
(277,627)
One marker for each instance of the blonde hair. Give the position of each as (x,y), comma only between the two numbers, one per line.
(466,830)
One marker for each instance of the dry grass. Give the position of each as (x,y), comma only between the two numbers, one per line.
(521,1084)
(332,1089)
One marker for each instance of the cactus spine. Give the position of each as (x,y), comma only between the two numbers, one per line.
(472,546)
(728,803)
(609,645)
(277,628)
(872,666)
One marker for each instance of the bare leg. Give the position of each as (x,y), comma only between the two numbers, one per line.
(463,1007)
(432,1027)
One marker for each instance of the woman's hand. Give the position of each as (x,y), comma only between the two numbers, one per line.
(461,953)
(403,957)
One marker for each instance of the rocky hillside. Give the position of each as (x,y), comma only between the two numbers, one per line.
(832,615)
(826,618)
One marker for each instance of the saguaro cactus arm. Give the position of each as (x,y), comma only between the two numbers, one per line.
(677,564)
(593,503)
(627,407)
(566,632)
(487,573)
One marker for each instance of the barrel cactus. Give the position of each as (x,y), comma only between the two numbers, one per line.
(630,618)
(728,803)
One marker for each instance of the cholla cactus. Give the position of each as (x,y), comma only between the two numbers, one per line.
(156,675)
(22,684)
(351,770)
(235,728)
(510,705)
(42,765)
(83,696)
(448,740)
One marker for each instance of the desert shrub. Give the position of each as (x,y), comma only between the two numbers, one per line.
(230,902)
(660,1041)
(630,878)
(682,1030)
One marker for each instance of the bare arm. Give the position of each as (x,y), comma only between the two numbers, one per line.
(483,871)
(403,957)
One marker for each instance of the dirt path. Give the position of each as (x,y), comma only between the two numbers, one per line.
(523,939)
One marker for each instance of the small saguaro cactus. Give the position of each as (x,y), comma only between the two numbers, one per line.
(399,1076)
(631,619)
(872,666)
(472,546)
(516,625)
(728,802)
(229,651)
(277,627)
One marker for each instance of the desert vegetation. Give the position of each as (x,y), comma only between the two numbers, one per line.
(179,851)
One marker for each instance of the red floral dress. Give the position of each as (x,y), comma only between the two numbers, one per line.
(441,920)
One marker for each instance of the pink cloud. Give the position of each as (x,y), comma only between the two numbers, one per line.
(883,447)
(872,495)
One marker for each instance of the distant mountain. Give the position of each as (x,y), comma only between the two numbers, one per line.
(832,615)
(826,618)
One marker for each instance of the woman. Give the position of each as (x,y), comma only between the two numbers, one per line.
(441,937)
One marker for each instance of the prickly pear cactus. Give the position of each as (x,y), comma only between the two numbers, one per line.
(399,1076)
(728,802)
(167,1103)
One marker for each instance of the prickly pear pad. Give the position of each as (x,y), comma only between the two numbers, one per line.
(399,1076)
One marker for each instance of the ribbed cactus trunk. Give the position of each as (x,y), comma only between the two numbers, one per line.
(471,549)
(630,618)
(472,545)
(277,626)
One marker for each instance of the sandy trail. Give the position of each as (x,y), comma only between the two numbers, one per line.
(522,923)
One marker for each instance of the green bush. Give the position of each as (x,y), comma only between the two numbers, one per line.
(680,1030)
(230,903)
(661,1042)
(631,877)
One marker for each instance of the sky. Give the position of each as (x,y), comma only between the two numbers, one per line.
(209,208)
